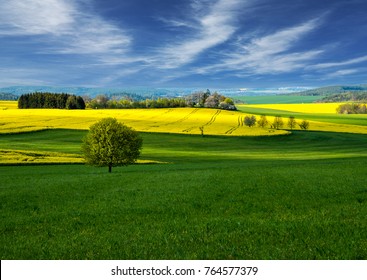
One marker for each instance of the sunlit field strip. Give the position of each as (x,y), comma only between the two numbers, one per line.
(24,157)
(33,157)
(318,108)
(180,120)
(316,112)
(4,105)
(332,127)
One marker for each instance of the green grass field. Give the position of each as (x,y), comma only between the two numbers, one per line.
(298,196)
(277,99)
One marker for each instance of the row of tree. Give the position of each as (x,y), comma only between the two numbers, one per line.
(352,108)
(103,102)
(198,100)
(277,123)
(50,101)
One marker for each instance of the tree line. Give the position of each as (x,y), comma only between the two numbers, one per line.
(352,108)
(197,100)
(347,96)
(277,123)
(48,100)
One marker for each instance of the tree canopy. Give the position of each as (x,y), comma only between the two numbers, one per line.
(197,100)
(352,108)
(47,100)
(110,143)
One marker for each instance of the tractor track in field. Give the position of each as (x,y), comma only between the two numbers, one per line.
(239,124)
(154,124)
(167,112)
(213,118)
(185,117)
(210,122)
(189,129)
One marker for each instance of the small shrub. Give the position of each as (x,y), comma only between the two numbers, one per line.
(250,121)
(304,125)
(292,122)
(263,121)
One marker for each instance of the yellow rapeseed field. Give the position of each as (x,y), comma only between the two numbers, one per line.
(320,110)
(337,127)
(32,157)
(4,105)
(177,120)
(41,157)
(323,108)
(169,120)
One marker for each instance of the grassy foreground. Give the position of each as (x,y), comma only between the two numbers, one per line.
(299,196)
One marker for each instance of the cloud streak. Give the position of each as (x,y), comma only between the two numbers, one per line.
(343,72)
(341,63)
(35,17)
(214,28)
(269,54)
(63,25)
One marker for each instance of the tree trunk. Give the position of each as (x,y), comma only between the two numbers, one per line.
(110,168)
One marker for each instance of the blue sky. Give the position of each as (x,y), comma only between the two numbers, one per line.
(183,43)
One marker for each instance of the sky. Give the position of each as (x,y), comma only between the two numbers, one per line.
(183,43)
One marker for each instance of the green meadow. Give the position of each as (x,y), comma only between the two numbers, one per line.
(297,196)
(277,99)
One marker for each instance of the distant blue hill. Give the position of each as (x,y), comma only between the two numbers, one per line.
(146,92)
(92,92)
(8,96)
(332,90)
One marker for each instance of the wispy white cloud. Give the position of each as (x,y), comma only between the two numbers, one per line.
(95,36)
(35,17)
(270,54)
(342,73)
(176,23)
(64,24)
(215,27)
(340,63)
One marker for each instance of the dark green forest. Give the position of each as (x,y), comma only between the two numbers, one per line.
(333,90)
(348,96)
(47,100)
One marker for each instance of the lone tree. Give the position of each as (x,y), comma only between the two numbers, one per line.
(111,143)
(250,121)
(292,122)
(304,125)
(278,122)
(263,121)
